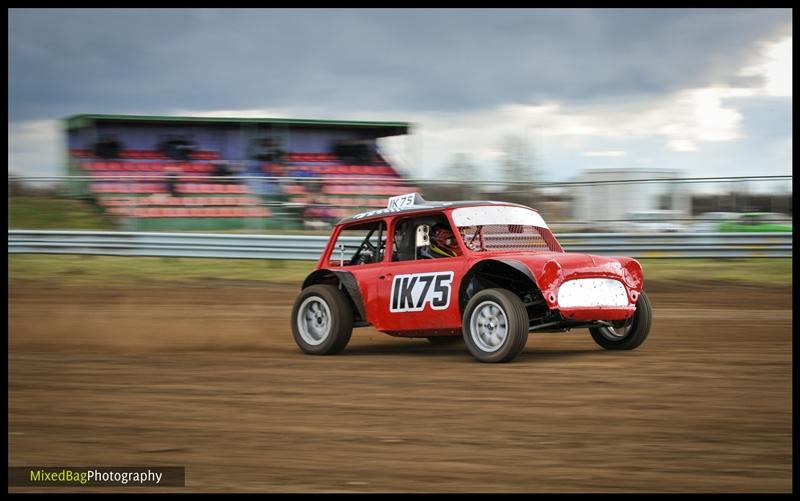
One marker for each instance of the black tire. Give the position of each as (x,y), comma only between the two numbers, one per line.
(516,328)
(444,340)
(328,334)
(627,335)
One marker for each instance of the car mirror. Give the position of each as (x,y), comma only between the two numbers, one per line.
(340,248)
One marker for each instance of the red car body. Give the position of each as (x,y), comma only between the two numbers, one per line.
(428,297)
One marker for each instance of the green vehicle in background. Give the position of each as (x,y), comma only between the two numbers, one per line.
(757,222)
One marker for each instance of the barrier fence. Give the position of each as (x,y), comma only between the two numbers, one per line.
(308,248)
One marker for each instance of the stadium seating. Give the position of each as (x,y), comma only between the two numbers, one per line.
(159,212)
(109,167)
(176,201)
(134,186)
(338,182)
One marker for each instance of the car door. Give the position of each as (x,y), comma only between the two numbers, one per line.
(418,295)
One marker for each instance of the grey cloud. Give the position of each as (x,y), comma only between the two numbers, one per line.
(148,61)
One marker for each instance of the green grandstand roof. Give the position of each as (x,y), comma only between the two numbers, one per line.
(388,128)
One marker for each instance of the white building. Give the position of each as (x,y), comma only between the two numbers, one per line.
(601,200)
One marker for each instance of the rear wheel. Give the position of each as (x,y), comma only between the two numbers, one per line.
(626,334)
(322,320)
(495,325)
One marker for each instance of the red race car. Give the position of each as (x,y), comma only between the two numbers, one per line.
(487,272)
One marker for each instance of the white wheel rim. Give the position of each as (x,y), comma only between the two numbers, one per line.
(314,320)
(488,326)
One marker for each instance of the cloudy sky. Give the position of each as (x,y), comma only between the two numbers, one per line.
(707,92)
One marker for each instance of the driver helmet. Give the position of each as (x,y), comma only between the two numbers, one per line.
(443,242)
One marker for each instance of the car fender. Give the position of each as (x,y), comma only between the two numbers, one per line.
(514,264)
(346,279)
(520,267)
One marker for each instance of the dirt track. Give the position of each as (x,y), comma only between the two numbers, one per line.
(206,375)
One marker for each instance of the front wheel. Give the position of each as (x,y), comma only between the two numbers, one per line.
(322,320)
(495,325)
(626,334)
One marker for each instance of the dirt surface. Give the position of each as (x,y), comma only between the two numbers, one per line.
(206,375)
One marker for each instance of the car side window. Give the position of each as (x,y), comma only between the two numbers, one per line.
(434,232)
(360,244)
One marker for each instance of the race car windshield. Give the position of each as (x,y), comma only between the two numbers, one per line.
(503,227)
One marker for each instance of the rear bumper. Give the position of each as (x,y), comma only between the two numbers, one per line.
(598,312)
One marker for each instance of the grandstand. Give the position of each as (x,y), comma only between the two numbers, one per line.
(230,173)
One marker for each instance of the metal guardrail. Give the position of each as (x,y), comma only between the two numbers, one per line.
(309,248)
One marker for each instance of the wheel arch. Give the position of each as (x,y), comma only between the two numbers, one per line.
(344,280)
(496,273)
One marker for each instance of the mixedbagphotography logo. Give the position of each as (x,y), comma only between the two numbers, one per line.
(89,476)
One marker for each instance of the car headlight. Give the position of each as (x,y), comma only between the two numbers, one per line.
(551,272)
